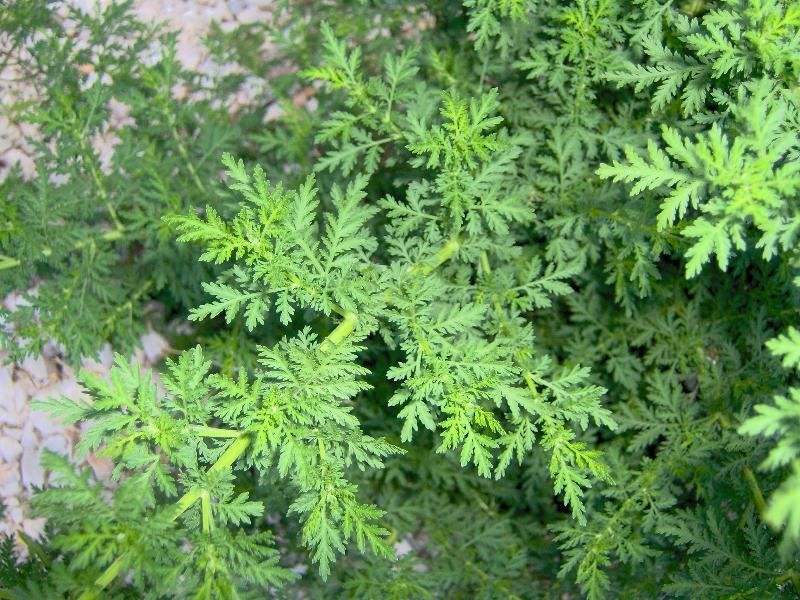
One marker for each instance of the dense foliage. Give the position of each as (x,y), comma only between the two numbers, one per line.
(508,311)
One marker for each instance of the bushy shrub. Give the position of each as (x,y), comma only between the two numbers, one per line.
(501,313)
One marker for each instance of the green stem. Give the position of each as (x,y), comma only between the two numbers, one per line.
(114,218)
(444,254)
(112,571)
(338,335)
(184,503)
(90,157)
(205,508)
(296,283)
(6,262)
(321,445)
(484,69)
(790,575)
(487,269)
(104,580)
(761,508)
(185,156)
(528,377)
(108,236)
(755,490)
(233,452)
(112,318)
(238,447)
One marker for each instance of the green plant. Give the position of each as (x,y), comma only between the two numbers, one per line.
(78,239)
(464,309)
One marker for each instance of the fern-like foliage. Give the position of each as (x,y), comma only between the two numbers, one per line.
(781,420)
(733,183)
(459,336)
(735,42)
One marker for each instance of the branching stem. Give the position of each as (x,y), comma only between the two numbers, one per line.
(231,454)
(6,262)
(234,451)
(444,254)
(338,335)
(185,155)
(242,439)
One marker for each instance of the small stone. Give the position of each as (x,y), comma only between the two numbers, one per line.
(102,467)
(34,528)
(402,548)
(10,449)
(30,465)
(57,443)
(273,112)
(6,380)
(13,432)
(154,346)
(29,438)
(13,510)
(14,405)
(20,401)
(36,367)
(9,480)
(44,423)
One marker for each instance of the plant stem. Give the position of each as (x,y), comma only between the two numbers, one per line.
(487,269)
(184,503)
(185,155)
(112,318)
(338,335)
(755,490)
(6,262)
(444,254)
(233,452)
(111,572)
(90,158)
(104,580)
(205,510)
(526,375)
(242,441)
(761,508)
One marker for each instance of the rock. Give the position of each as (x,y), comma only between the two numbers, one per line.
(36,367)
(102,363)
(57,443)
(13,432)
(102,467)
(14,405)
(6,380)
(43,423)
(31,468)
(10,449)
(10,486)
(34,527)
(13,510)
(154,346)
(402,548)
